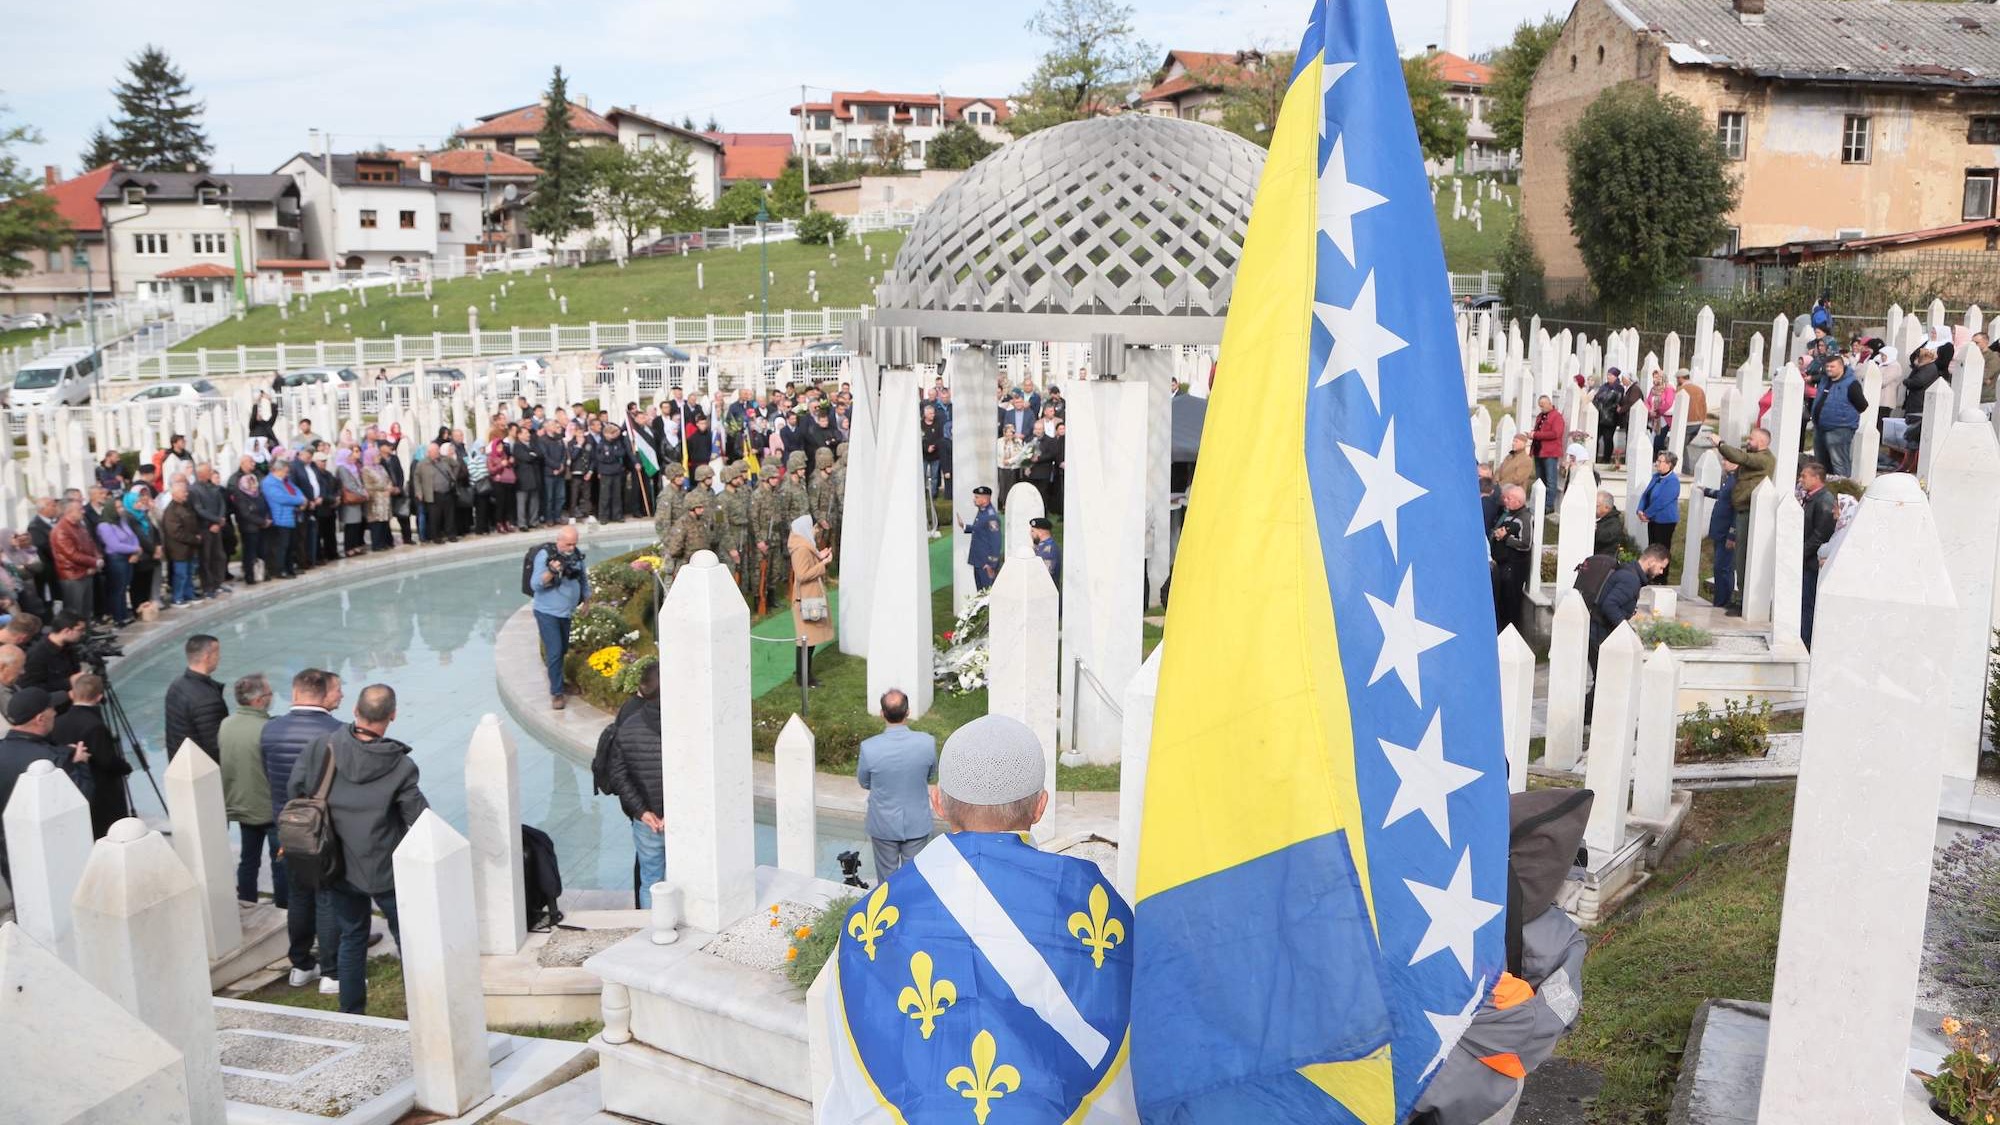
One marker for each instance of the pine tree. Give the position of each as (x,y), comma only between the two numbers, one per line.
(561,189)
(101,150)
(158,125)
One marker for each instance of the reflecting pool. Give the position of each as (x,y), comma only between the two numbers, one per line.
(430,635)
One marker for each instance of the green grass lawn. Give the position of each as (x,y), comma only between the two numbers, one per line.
(21,336)
(651,289)
(1705,926)
(386,1000)
(1467,250)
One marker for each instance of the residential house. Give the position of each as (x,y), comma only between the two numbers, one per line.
(757,157)
(490,172)
(1189,85)
(183,235)
(909,191)
(370,210)
(1466,83)
(855,125)
(1842,121)
(56,280)
(517,131)
(638,132)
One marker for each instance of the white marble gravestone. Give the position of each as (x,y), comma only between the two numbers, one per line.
(1103,558)
(797,843)
(1653,757)
(1576,536)
(1613,723)
(439,941)
(860,518)
(1022,643)
(1569,680)
(47,824)
(899,613)
(1136,752)
(493,827)
(1517,703)
(193,784)
(1964,481)
(969,372)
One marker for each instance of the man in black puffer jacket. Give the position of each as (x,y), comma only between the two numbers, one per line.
(195,706)
(314,696)
(612,458)
(636,779)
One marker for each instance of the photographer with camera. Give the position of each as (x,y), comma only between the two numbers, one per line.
(555,578)
(53,662)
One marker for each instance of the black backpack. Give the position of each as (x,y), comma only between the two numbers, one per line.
(1591,574)
(305,834)
(600,763)
(542,879)
(528,567)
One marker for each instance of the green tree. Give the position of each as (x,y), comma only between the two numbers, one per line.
(1094,62)
(636,191)
(818,225)
(158,124)
(1523,281)
(738,205)
(1252,91)
(28,216)
(1649,187)
(556,210)
(1441,126)
(957,145)
(892,148)
(788,192)
(1514,69)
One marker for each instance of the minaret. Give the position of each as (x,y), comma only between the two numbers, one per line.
(1458,27)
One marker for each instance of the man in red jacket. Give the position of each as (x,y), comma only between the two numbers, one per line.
(1548,437)
(77,559)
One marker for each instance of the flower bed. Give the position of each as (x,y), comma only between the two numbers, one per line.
(611,642)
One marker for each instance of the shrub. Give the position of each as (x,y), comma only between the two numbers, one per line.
(1993,700)
(815,226)
(1966,1089)
(1964,947)
(1673,634)
(614,581)
(1735,732)
(810,952)
(594,628)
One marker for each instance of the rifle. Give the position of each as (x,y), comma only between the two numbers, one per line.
(763,583)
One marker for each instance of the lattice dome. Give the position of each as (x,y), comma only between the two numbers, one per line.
(1114,215)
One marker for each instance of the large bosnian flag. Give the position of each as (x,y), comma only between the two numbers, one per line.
(1322,882)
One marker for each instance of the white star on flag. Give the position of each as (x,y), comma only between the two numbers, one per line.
(1359,341)
(1451,1028)
(1383,491)
(1340,200)
(1404,638)
(1456,915)
(1330,73)
(1426,779)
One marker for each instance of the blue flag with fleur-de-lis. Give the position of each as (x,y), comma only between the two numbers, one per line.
(985,979)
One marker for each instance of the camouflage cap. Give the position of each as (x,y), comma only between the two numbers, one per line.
(732,472)
(676,470)
(823,458)
(796,459)
(703,473)
(771,470)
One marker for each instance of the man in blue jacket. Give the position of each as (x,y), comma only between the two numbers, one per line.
(1836,414)
(897,768)
(1722,533)
(284,500)
(988,547)
(315,694)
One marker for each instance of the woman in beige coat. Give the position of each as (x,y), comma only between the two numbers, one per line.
(808,581)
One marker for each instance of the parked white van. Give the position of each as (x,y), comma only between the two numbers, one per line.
(65,377)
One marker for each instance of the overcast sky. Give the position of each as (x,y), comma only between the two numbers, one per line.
(404,74)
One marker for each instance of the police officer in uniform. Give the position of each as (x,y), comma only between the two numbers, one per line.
(988,546)
(1046,548)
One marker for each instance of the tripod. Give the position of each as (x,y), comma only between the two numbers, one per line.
(126,734)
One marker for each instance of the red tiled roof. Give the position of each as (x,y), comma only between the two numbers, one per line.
(205,269)
(293,264)
(844,100)
(753,156)
(469,162)
(76,199)
(1914,236)
(527,121)
(1201,71)
(1460,71)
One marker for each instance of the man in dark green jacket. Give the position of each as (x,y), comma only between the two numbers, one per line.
(1754,463)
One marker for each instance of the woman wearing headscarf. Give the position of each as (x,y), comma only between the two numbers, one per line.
(375,481)
(145,572)
(20,571)
(353,500)
(252,517)
(121,549)
(500,470)
(809,561)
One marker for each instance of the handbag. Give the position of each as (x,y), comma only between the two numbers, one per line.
(349,496)
(812,610)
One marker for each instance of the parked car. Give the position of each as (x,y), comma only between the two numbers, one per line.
(670,244)
(442,380)
(64,377)
(372,279)
(307,376)
(823,360)
(163,397)
(1490,302)
(18,321)
(516,374)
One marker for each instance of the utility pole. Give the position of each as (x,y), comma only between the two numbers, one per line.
(764,277)
(805,150)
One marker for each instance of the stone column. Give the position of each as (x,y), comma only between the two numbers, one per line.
(859,530)
(493,825)
(1638,469)
(136,912)
(1023,639)
(1136,751)
(1881,677)
(1023,505)
(1788,576)
(975,452)
(706,745)
(1608,772)
(1517,704)
(48,842)
(1938,410)
(1963,483)
(899,610)
(440,944)
(1538,531)
(1154,368)
(1867,438)
(797,845)
(193,784)
(1569,679)
(1971,379)
(1103,559)
(1653,764)
(1788,405)
(1759,553)
(1707,474)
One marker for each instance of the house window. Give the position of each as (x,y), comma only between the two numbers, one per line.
(853,147)
(444,220)
(1984,131)
(54,259)
(367,220)
(923,115)
(1732,130)
(206,243)
(135,196)
(1731,243)
(917,150)
(872,114)
(1980,185)
(822,121)
(823,148)
(406,219)
(645,140)
(149,245)
(1855,146)
(377,173)
(207,196)
(979,117)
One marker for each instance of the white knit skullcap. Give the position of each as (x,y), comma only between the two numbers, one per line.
(993,760)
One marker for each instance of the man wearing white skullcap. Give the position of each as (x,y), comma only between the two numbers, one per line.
(984,969)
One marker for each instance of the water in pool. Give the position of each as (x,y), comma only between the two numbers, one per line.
(430,636)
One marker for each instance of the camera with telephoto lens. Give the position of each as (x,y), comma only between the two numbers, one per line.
(850,866)
(97,647)
(571,565)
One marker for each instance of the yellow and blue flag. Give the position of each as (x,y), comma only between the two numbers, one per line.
(1322,884)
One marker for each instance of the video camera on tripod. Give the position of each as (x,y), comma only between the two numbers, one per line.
(95,651)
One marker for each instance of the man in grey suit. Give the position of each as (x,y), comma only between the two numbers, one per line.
(897,767)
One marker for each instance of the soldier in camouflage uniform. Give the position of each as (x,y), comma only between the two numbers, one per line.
(825,498)
(768,534)
(673,500)
(793,500)
(689,533)
(840,497)
(735,543)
